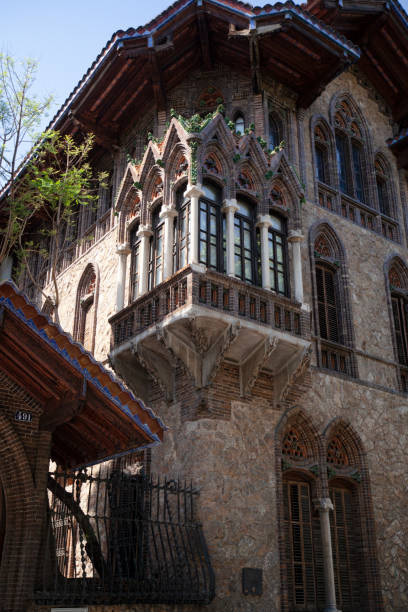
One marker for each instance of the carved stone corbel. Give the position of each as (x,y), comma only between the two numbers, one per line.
(160,366)
(291,373)
(200,355)
(249,370)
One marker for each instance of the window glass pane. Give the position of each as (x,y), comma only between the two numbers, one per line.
(341,162)
(273,133)
(239,124)
(358,172)
(320,164)
(276,223)
(244,208)
(248,270)
(211,192)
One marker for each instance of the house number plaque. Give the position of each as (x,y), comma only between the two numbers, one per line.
(23,416)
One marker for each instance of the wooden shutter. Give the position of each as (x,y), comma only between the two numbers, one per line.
(299,546)
(346,550)
(399,309)
(327,306)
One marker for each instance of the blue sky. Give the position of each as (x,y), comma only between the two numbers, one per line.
(65,37)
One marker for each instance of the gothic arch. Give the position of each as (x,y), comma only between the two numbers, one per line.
(225,171)
(295,478)
(331,300)
(396,286)
(176,171)
(321,134)
(349,479)
(86,307)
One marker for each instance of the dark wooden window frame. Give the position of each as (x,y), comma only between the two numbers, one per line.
(183,207)
(283,234)
(134,241)
(219,225)
(156,258)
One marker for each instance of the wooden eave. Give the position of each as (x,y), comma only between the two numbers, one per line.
(87,410)
(142,65)
(380,29)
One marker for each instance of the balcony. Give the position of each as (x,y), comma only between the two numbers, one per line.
(203,317)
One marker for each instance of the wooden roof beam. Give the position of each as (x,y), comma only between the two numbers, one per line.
(157,81)
(105,136)
(204,38)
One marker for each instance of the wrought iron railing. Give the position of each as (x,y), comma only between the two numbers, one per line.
(211,290)
(118,536)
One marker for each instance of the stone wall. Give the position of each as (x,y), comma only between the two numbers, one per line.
(227,447)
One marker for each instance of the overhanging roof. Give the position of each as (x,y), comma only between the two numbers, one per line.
(91,414)
(380,29)
(144,64)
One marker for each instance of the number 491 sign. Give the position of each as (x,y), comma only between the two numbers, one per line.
(23,416)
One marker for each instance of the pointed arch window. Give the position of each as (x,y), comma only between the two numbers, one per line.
(239,122)
(278,255)
(332,314)
(212,245)
(349,152)
(244,241)
(181,247)
(85,311)
(274,130)
(134,262)
(399,303)
(321,150)
(156,254)
(384,193)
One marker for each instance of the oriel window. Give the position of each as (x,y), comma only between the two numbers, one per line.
(134,263)
(211,228)
(156,250)
(277,250)
(244,241)
(182,230)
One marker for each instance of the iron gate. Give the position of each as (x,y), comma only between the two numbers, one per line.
(118,536)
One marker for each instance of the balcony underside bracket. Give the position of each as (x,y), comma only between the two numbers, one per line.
(287,380)
(250,368)
(200,352)
(160,366)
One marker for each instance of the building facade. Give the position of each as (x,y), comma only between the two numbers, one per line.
(246,275)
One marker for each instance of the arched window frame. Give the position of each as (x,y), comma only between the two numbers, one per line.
(322,155)
(211,228)
(134,243)
(329,258)
(182,230)
(350,152)
(87,299)
(349,476)
(239,123)
(275,128)
(278,254)
(156,249)
(386,198)
(245,263)
(322,478)
(396,280)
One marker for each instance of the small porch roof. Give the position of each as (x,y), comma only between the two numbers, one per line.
(92,415)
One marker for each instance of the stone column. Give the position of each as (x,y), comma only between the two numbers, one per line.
(144,233)
(167,213)
(295,238)
(194,193)
(123,251)
(229,209)
(264,223)
(301,114)
(324,505)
